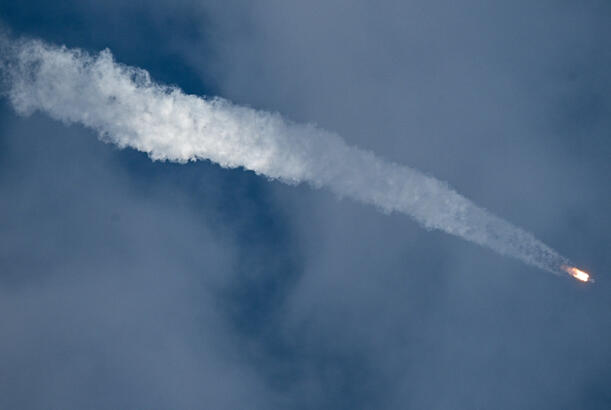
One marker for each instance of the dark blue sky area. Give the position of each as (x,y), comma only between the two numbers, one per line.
(126,283)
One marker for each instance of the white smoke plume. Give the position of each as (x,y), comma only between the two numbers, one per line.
(128,109)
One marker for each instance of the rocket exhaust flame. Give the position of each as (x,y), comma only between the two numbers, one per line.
(578,273)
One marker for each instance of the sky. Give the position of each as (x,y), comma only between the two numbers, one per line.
(127,283)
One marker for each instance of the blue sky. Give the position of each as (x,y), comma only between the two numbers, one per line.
(128,283)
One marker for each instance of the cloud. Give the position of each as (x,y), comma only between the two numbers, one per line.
(377,312)
(112,287)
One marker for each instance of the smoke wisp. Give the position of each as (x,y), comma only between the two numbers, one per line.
(128,109)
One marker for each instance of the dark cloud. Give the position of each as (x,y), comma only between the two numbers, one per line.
(111,280)
(509,103)
(129,284)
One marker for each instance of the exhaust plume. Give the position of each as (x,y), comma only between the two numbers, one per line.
(128,109)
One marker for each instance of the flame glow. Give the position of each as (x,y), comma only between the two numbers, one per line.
(578,273)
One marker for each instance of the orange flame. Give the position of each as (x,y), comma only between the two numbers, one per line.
(578,273)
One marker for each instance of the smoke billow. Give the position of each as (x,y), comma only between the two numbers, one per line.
(127,108)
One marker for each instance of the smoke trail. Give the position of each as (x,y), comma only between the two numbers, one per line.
(128,109)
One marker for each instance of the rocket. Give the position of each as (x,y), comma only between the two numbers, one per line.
(577,273)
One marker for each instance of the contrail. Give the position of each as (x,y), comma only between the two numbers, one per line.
(127,108)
